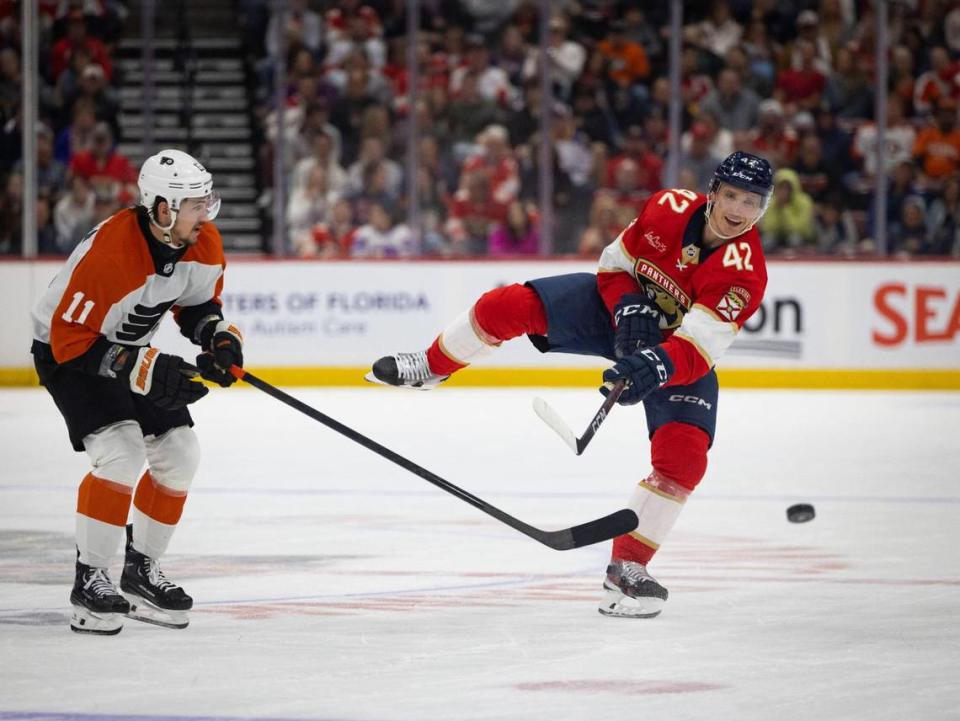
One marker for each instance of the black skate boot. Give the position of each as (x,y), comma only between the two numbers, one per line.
(406,370)
(98,606)
(153,599)
(631,592)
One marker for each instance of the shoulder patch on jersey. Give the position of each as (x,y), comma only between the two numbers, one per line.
(732,304)
(742,292)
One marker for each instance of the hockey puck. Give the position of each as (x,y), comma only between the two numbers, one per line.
(800,513)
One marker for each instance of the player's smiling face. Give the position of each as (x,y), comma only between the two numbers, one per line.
(734,210)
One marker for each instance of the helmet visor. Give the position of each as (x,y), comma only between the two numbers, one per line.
(195,210)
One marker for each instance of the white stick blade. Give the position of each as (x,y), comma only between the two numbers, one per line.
(553,419)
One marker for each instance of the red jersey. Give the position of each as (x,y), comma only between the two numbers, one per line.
(114,167)
(705,295)
(118,283)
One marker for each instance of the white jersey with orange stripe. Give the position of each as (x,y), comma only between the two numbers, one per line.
(120,282)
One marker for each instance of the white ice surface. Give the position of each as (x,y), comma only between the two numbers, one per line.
(331,584)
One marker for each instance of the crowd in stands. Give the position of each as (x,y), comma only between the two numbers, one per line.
(791,81)
(81,178)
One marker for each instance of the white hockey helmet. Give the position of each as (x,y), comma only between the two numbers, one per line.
(174,176)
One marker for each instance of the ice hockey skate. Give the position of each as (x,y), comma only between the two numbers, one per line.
(631,592)
(405,370)
(98,606)
(153,598)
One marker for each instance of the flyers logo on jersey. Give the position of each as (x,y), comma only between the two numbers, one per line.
(731,305)
(141,320)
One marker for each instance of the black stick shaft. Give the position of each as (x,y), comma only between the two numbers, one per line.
(601,529)
(601,415)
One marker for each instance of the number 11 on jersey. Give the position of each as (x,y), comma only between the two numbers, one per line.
(87,307)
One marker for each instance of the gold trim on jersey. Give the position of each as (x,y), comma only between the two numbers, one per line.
(716,316)
(700,349)
(623,248)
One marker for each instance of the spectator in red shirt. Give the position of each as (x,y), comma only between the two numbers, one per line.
(626,191)
(471,215)
(941,80)
(496,161)
(772,138)
(649,165)
(333,238)
(77,37)
(802,87)
(103,166)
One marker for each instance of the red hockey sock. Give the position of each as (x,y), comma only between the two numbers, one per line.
(440,362)
(501,314)
(679,453)
(628,548)
(510,311)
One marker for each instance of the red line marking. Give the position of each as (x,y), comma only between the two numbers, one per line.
(622,687)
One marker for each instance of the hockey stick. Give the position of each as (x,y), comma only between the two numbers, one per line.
(553,419)
(601,529)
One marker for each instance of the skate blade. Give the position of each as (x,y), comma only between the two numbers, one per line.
(424,386)
(618,605)
(144,611)
(371,378)
(84,620)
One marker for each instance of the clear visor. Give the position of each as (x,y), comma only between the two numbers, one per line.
(195,210)
(747,205)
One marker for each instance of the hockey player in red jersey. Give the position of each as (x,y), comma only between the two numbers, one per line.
(124,402)
(669,297)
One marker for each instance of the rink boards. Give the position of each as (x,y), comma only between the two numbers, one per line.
(823,324)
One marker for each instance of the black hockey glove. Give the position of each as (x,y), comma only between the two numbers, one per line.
(638,325)
(224,349)
(163,378)
(645,371)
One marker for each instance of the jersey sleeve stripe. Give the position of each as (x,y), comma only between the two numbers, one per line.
(707,333)
(699,348)
(616,258)
(713,314)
